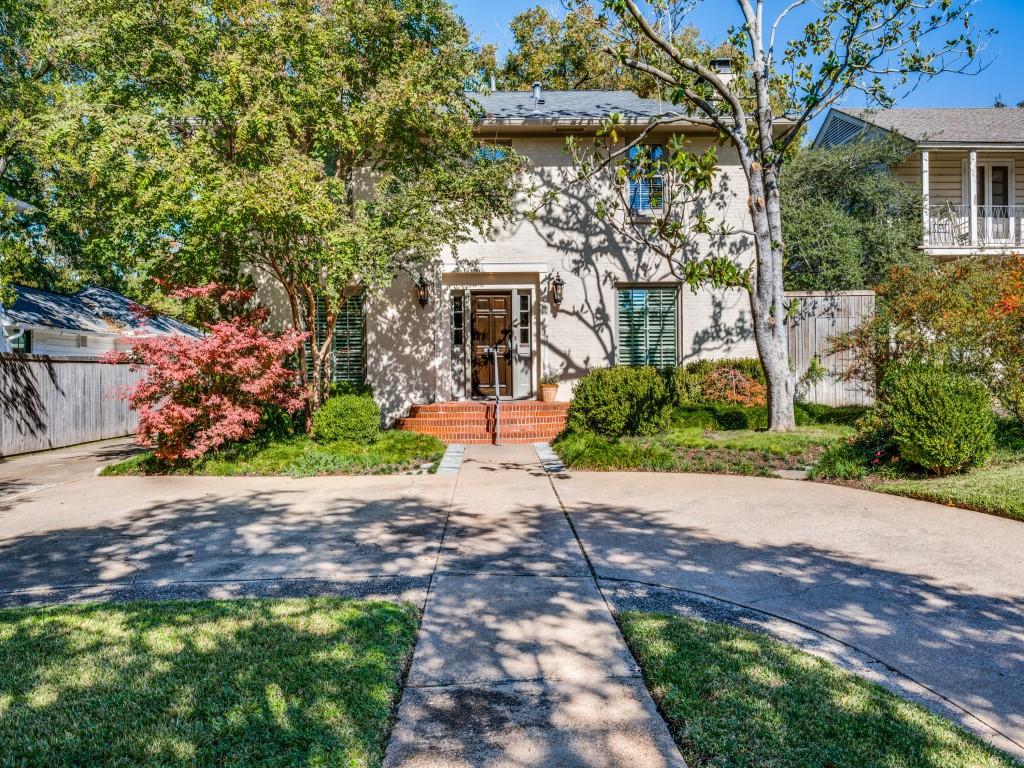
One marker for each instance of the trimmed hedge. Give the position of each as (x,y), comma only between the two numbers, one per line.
(619,401)
(347,417)
(940,421)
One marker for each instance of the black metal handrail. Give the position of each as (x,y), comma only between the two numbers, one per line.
(497,399)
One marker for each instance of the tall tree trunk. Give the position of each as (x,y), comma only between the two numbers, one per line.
(768,306)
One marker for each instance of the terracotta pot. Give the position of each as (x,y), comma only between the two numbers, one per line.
(548,393)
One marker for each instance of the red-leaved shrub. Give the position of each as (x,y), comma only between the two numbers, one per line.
(733,386)
(201,393)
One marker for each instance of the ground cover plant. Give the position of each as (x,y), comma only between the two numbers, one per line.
(229,683)
(706,417)
(299,456)
(735,698)
(695,449)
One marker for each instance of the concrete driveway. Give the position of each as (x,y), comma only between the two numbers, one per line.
(926,599)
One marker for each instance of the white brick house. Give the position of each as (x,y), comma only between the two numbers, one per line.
(618,305)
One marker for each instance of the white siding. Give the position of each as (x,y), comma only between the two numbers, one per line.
(946,173)
(64,344)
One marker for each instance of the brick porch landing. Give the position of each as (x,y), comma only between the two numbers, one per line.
(522,421)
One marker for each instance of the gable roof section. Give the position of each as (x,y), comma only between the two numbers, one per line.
(92,310)
(927,127)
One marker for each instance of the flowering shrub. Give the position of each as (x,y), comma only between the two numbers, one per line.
(967,316)
(201,393)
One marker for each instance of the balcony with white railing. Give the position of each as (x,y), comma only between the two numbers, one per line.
(949,226)
(969,202)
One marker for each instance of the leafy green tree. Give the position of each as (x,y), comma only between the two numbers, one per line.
(878,47)
(319,146)
(568,52)
(847,221)
(562,53)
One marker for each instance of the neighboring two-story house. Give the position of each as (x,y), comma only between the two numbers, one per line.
(557,291)
(968,164)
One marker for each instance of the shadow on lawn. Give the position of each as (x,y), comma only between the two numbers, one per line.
(966,643)
(181,684)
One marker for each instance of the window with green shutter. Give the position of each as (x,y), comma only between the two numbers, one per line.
(648,326)
(348,356)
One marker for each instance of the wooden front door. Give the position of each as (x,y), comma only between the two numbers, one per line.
(492,327)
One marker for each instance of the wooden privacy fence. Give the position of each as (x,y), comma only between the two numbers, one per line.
(820,317)
(50,402)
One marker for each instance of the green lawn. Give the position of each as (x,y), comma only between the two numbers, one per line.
(995,489)
(734,698)
(242,683)
(694,449)
(299,456)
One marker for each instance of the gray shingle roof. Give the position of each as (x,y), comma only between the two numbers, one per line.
(988,125)
(19,206)
(92,310)
(568,105)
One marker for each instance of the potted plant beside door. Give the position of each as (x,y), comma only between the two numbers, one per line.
(549,385)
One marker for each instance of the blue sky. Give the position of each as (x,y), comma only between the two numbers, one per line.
(488,22)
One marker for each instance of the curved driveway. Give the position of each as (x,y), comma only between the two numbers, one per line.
(933,593)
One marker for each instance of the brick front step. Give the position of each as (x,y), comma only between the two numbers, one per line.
(522,421)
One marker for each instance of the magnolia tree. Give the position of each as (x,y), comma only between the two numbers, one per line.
(199,393)
(879,48)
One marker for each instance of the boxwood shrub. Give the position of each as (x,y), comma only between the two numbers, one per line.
(619,401)
(941,421)
(347,417)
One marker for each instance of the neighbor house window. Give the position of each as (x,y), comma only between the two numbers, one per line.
(524,319)
(648,326)
(646,189)
(81,341)
(458,320)
(23,344)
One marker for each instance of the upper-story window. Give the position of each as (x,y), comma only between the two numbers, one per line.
(646,185)
(493,150)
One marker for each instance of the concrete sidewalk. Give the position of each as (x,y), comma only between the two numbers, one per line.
(519,661)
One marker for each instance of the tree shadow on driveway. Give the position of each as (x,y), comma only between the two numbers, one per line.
(964,644)
(251,536)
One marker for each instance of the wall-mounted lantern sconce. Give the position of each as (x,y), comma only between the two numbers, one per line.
(557,289)
(421,291)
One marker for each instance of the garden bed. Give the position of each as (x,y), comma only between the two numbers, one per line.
(996,488)
(732,697)
(233,683)
(298,456)
(697,443)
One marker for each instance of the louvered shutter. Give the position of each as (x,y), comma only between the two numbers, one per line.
(349,349)
(648,326)
(348,357)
